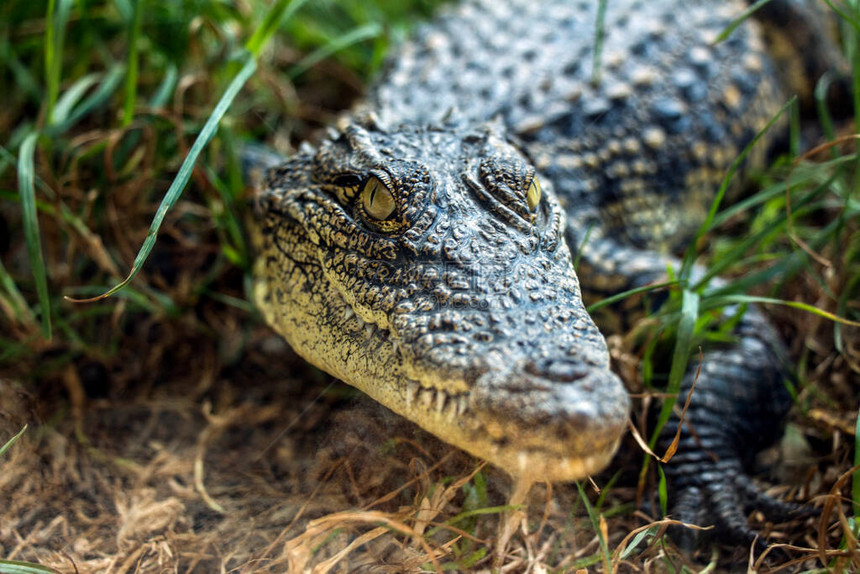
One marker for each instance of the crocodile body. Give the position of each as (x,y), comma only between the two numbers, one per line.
(423,252)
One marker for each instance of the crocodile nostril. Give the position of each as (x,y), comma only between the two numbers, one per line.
(557,370)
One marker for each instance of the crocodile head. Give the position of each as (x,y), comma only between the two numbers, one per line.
(426,267)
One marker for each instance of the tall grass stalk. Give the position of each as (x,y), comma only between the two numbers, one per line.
(27,191)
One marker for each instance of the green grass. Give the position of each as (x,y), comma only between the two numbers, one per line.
(115,68)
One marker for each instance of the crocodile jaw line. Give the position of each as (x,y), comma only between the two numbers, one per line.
(448,415)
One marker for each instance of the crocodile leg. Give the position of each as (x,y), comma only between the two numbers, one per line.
(738,404)
(739,401)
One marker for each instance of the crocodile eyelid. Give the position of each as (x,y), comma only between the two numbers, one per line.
(497,206)
(512,187)
(349,181)
(384,177)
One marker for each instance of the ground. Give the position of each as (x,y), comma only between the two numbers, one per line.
(169,430)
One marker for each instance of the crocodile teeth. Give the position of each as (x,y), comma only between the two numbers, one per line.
(348,313)
(426,398)
(435,399)
(369,329)
(411,392)
(441,397)
(451,408)
(462,405)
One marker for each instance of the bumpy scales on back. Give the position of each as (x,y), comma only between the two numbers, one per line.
(423,252)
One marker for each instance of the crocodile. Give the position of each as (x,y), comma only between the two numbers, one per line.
(438,249)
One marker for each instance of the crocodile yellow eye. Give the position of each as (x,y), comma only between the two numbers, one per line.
(377,199)
(533,194)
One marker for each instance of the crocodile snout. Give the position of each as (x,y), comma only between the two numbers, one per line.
(556,370)
(551,418)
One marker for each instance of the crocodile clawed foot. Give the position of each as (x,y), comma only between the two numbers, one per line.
(774,508)
(723,501)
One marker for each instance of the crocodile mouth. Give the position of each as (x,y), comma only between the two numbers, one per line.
(433,399)
(418,398)
(543,420)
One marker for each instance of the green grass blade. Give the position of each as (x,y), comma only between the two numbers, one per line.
(663,490)
(14,298)
(844,15)
(125,9)
(855,480)
(181,179)
(723,300)
(55,30)
(166,88)
(853,38)
(27,192)
(594,517)
(471,559)
(637,540)
(599,35)
(718,267)
(72,96)
(581,247)
(277,15)
(131,76)
(94,101)
(629,293)
(15,567)
(681,354)
(740,20)
(690,255)
(800,176)
(845,300)
(12,441)
(479,512)
(355,36)
(822,87)
(786,268)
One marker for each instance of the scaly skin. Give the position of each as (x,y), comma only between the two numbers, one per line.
(465,318)
(409,254)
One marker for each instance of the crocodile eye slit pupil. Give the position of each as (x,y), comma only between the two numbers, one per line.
(377,200)
(533,194)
